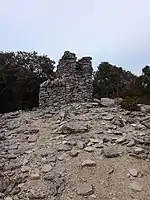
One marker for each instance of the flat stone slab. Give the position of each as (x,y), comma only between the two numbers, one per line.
(73,127)
(89,163)
(107,102)
(89,149)
(136,186)
(108,117)
(33,138)
(46,168)
(111,153)
(8,198)
(64,147)
(85,189)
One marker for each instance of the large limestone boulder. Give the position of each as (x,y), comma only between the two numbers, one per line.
(107,102)
(73,127)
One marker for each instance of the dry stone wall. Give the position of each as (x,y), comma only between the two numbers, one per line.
(73,82)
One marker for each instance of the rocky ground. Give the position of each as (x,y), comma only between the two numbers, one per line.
(80,151)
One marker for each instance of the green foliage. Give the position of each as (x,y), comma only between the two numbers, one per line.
(130,103)
(20,76)
(41,66)
(146,70)
(110,81)
(141,87)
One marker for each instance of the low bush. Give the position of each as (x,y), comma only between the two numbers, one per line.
(130,103)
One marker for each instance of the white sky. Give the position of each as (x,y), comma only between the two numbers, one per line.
(117,31)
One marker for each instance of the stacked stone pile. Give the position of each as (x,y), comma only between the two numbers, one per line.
(73,82)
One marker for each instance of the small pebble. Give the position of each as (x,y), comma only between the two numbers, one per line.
(46,168)
(89,163)
(133,172)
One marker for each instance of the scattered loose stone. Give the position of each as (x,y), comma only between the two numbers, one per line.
(118,122)
(118,132)
(36,194)
(25,168)
(89,149)
(46,168)
(25,161)
(44,153)
(94,140)
(140,127)
(80,144)
(121,140)
(109,153)
(73,128)
(108,117)
(64,147)
(72,143)
(32,138)
(90,144)
(8,198)
(52,159)
(1,195)
(131,143)
(144,157)
(33,131)
(111,171)
(89,163)
(44,160)
(133,172)
(73,153)
(20,168)
(98,146)
(107,102)
(93,196)
(60,158)
(139,141)
(134,125)
(105,140)
(100,142)
(138,150)
(85,189)
(34,176)
(12,156)
(65,142)
(136,186)
(21,185)
(13,146)
(146,122)
(148,157)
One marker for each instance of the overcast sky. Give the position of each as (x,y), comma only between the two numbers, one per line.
(117,31)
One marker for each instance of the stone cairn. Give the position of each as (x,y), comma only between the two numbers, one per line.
(73,82)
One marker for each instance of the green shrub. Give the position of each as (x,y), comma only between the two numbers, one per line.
(130,103)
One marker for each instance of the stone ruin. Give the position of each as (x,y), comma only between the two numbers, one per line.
(73,82)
